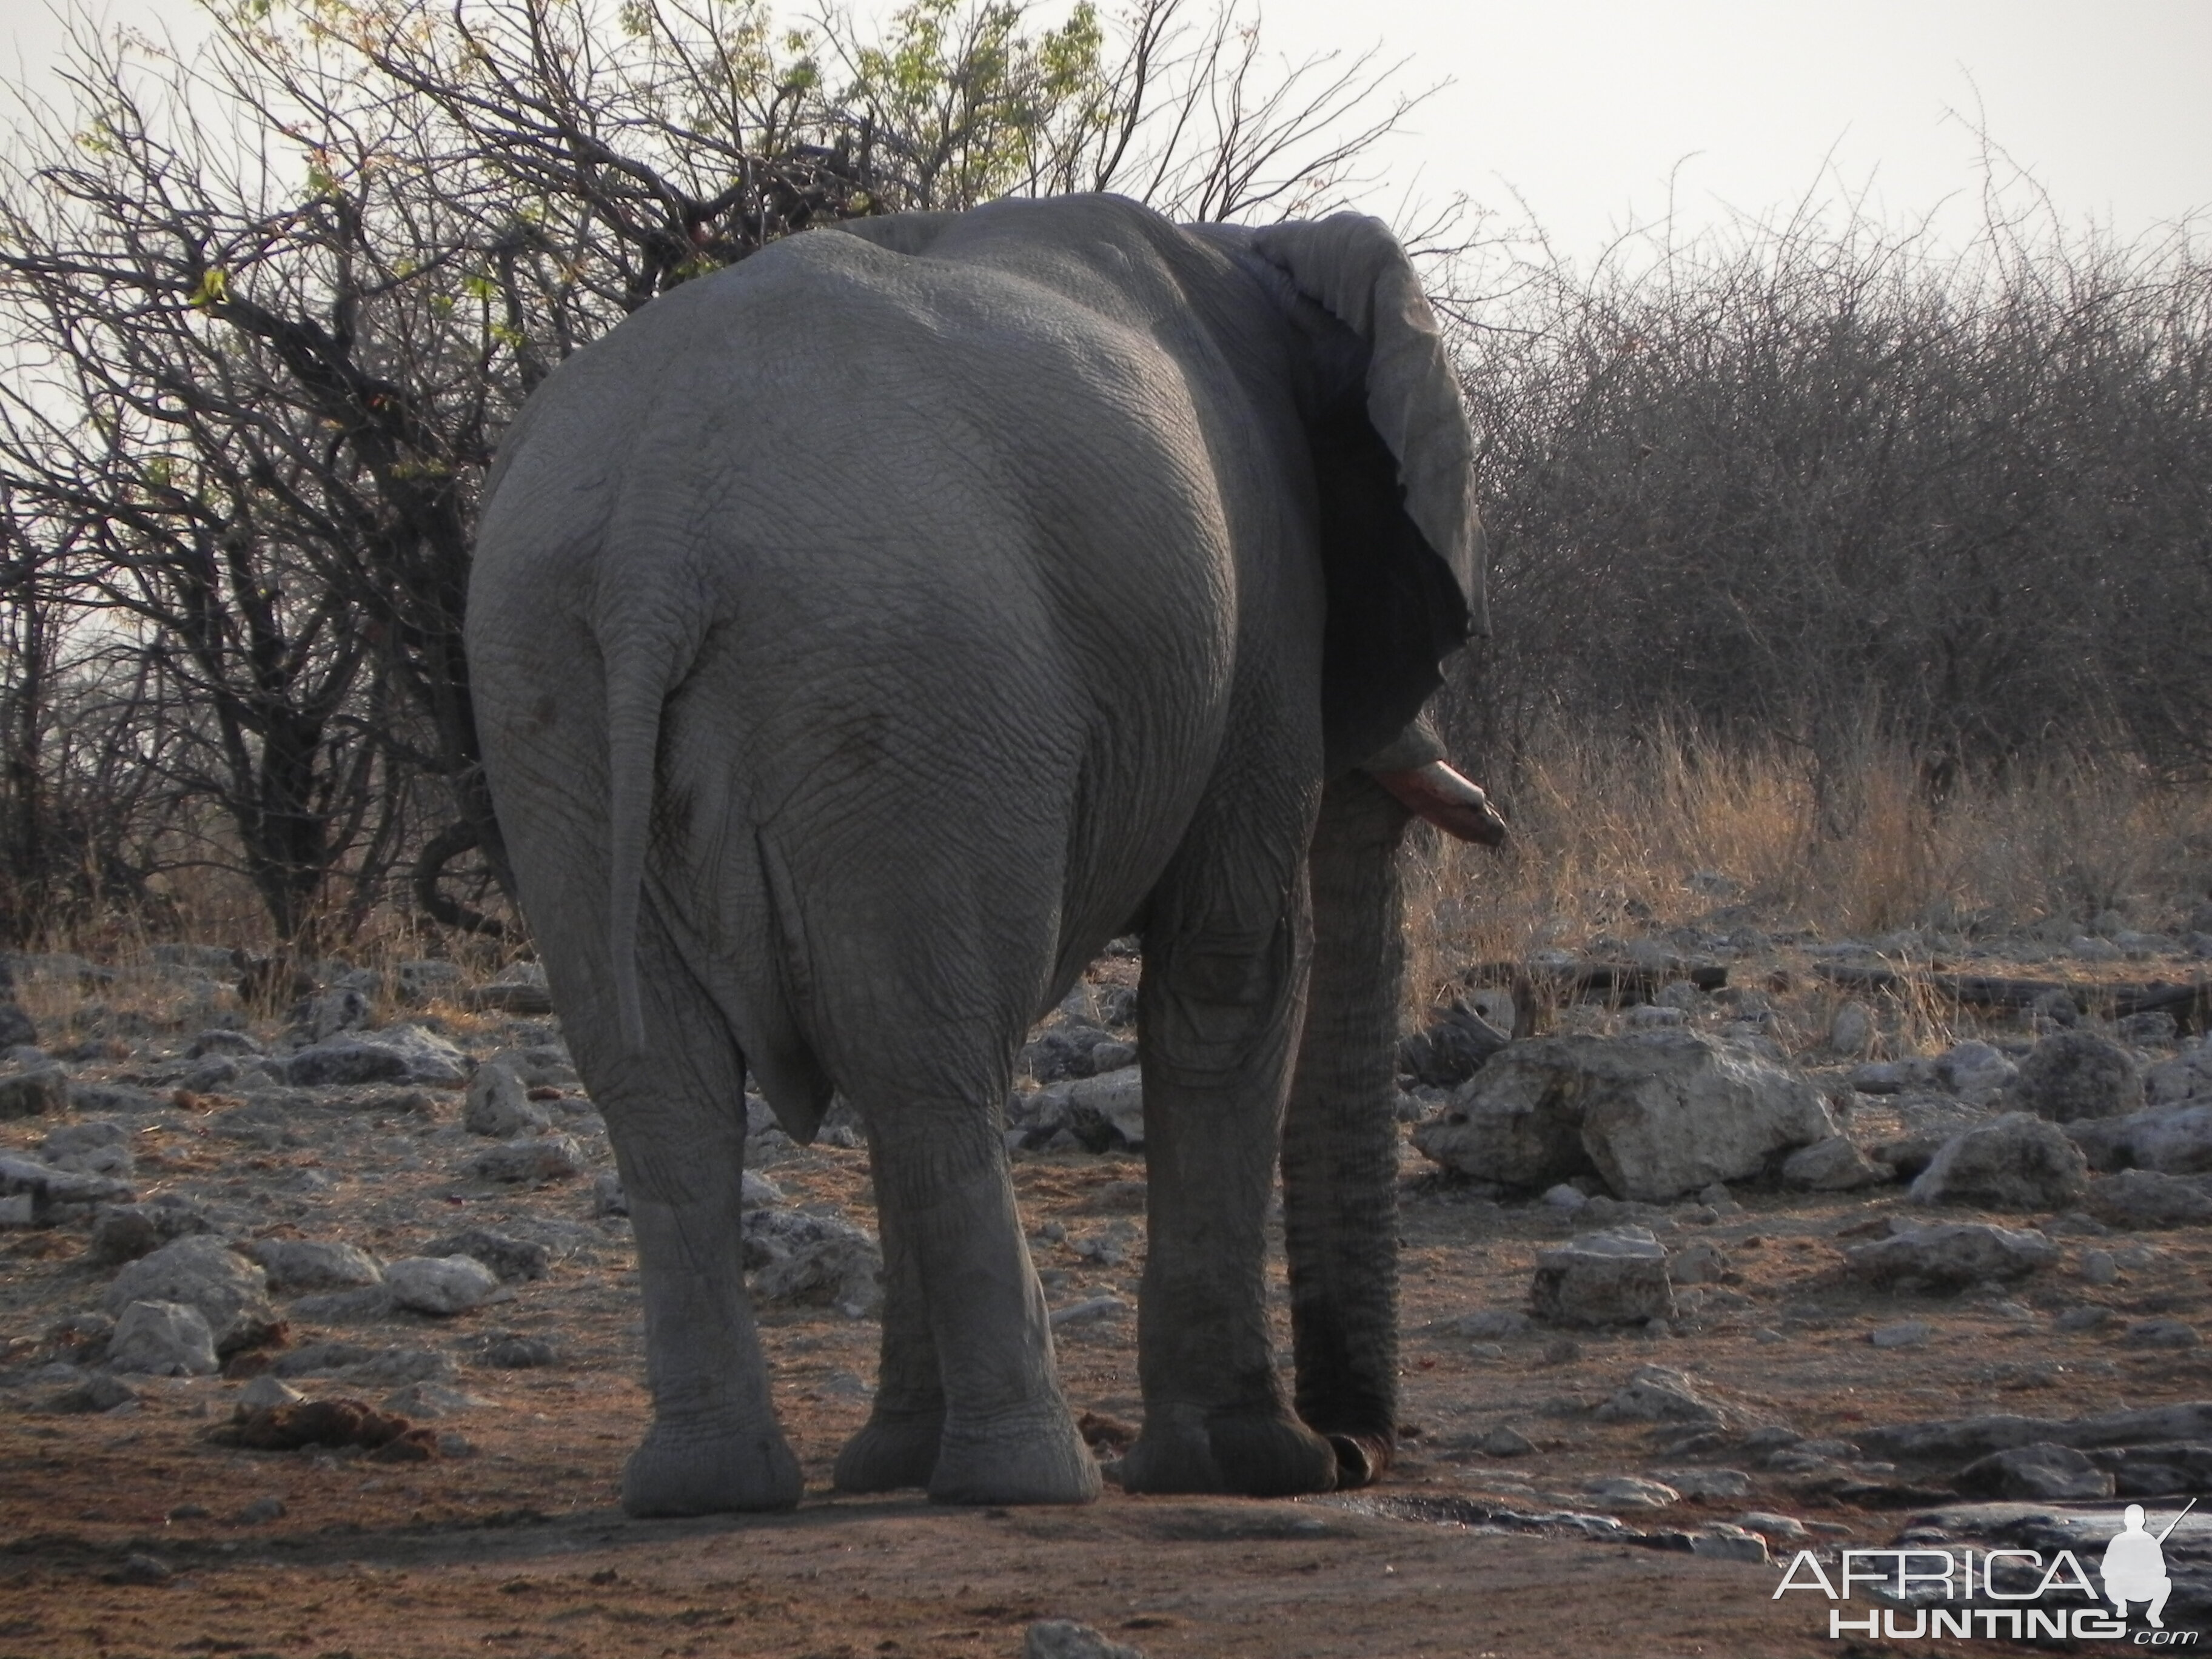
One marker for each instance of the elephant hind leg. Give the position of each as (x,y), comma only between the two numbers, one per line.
(898,1445)
(676,1113)
(969,1402)
(1220,1007)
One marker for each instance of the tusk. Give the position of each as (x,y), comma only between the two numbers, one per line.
(1446,800)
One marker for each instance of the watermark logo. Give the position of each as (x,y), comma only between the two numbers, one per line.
(2135,1565)
(1927,1592)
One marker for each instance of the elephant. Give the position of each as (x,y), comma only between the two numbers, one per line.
(862,637)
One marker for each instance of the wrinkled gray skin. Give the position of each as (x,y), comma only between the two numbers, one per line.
(861,637)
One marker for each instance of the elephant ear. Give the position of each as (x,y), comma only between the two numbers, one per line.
(1393,461)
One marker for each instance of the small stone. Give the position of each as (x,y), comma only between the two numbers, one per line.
(812,1260)
(428,1402)
(758,1192)
(360,1305)
(499,1105)
(1505,1441)
(2086,1317)
(454,1444)
(1063,1638)
(2148,1199)
(1603,1278)
(230,1292)
(41,1091)
(1971,1069)
(1892,1077)
(442,1285)
(607,1195)
(1706,1485)
(1657,1394)
(545,1157)
(2074,1075)
(1564,1198)
(17,1210)
(162,1338)
(519,1353)
(259,1512)
(1770,1525)
(390,1367)
(302,1264)
(402,1054)
(513,1260)
(1722,1542)
(16,1029)
(1088,1312)
(2100,1267)
(1850,1028)
(1905,1334)
(189,1512)
(1491,1324)
(266,1391)
(94,1393)
(1955,1254)
(1629,1492)
(1833,1165)
(2017,1163)
(2162,1333)
(2041,1472)
(141,1569)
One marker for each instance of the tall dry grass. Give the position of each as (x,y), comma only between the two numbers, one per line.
(1627,835)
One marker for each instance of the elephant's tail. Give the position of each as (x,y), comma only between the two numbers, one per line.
(643,660)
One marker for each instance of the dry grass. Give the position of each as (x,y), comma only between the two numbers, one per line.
(1621,837)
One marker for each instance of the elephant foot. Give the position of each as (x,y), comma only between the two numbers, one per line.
(696,1472)
(1036,1457)
(1361,1459)
(895,1449)
(1186,1448)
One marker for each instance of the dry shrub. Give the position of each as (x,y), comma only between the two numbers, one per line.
(1617,835)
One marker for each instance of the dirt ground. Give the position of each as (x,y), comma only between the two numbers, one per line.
(517,1547)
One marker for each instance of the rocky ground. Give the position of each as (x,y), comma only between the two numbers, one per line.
(321,1333)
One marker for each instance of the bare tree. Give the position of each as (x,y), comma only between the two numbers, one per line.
(275,303)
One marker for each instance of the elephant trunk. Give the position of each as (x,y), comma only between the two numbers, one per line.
(1340,1134)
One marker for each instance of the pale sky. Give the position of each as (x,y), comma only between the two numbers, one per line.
(1586,107)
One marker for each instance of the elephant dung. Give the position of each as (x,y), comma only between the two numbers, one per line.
(1603,1278)
(2017,1163)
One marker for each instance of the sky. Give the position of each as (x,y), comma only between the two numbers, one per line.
(1598,114)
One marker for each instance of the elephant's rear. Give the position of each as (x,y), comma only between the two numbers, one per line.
(864,647)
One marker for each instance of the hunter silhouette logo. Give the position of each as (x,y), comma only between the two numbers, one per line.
(2135,1565)
(1929,1591)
